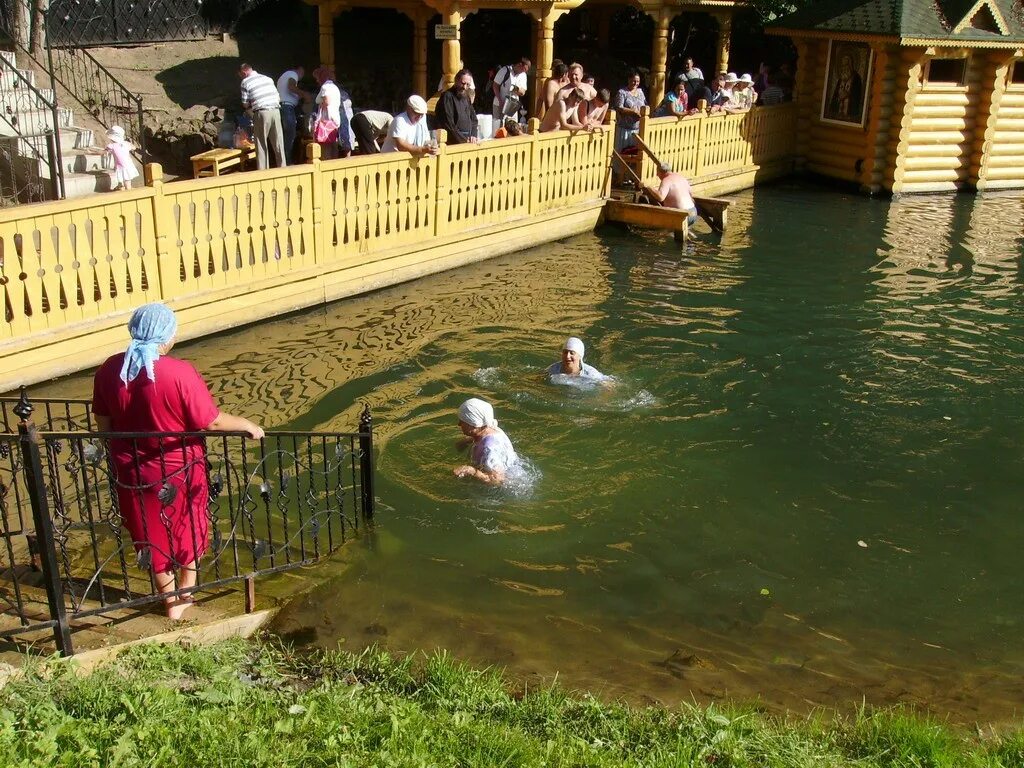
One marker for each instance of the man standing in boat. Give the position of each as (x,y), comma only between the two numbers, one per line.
(674,192)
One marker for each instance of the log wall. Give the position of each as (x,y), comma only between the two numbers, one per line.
(1000,147)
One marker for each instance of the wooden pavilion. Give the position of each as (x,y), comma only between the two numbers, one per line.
(910,95)
(543,15)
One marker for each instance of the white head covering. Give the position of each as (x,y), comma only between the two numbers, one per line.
(574,345)
(477,413)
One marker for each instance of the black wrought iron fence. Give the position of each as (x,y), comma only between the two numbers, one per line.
(91,520)
(32,120)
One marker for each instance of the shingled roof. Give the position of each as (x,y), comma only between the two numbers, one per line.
(913,19)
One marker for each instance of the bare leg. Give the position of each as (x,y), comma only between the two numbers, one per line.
(166,582)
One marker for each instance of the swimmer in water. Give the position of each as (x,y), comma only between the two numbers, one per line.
(572,363)
(492,453)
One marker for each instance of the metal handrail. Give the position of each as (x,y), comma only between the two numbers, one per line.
(91,84)
(55,160)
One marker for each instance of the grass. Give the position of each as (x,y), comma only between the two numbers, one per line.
(258,704)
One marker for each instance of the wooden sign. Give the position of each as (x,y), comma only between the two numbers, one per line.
(446,32)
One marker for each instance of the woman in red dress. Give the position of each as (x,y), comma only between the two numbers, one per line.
(161,481)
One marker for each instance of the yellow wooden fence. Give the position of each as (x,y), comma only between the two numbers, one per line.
(233,249)
(703,147)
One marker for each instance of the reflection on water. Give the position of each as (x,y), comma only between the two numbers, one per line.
(803,488)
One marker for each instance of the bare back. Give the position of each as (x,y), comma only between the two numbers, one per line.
(675,192)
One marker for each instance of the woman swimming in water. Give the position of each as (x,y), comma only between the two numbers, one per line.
(492,453)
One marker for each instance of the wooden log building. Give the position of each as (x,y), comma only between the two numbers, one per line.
(910,95)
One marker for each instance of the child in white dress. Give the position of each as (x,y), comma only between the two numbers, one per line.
(124,165)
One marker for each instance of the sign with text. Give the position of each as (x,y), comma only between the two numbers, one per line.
(446,32)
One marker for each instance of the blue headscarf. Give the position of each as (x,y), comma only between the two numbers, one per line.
(151,326)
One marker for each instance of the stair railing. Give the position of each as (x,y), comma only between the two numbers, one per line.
(30,123)
(99,91)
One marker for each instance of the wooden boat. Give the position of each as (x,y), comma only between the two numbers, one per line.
(714,210)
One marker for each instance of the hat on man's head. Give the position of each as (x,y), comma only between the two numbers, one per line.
(746,79)
(417,104)
(731,78)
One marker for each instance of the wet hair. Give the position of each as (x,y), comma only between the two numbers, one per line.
(559,70)
(604,95)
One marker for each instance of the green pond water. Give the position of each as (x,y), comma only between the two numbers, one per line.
(804,489)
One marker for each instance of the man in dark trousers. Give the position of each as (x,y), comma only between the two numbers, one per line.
(454,111)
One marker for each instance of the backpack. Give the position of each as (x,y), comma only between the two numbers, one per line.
(495,78)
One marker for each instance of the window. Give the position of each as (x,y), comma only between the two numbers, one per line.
(946,71)
(1017,73)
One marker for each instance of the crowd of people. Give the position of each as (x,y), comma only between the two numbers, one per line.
(570,100)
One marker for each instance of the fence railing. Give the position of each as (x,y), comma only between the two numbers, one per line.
(88,518)
(80,266)
(703,145)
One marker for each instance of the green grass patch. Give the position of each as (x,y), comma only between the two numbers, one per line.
(259,704)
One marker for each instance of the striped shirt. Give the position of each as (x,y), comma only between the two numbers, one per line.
(259,92)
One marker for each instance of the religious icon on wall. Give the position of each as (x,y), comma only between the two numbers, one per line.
(847,76)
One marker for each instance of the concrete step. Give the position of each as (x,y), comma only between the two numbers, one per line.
(86,160)
(10,57)
(25,121)
(88,183)
(24,98)
(9,80)
(73,137)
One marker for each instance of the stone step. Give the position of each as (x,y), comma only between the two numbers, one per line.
(86,160)
(24,98)
(9,80)
(89,183)
(26,121)
(73,137)
(10,57)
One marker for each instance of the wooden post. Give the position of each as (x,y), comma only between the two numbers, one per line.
(805,100)
(442,193)
(659,55)
(451,50)
(419,52)
(609,137)
(544,52)
(533,129)
(325,22)
(724,42)
(163,226)
(320,254)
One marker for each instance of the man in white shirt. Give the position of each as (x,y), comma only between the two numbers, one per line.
(509,82)
(409,132)
(291,99)
(259,96)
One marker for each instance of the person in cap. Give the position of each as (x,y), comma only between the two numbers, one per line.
(408,131)
(161,482)
(491,454)
(572,363)
(674,192)
(121,150)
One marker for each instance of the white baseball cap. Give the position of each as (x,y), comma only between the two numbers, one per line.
(417,104)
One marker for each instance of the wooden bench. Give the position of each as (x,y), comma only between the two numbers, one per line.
(214,162)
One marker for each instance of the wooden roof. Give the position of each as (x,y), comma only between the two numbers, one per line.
(956,22)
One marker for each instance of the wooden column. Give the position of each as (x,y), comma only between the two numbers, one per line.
(659,55)
(419,52)
(724,42)
(806,101)
(325,22)
(451,50)
(544,51)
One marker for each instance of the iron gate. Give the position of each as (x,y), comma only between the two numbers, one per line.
(267,506)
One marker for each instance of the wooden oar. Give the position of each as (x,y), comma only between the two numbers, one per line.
(716,226)
(639,181)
